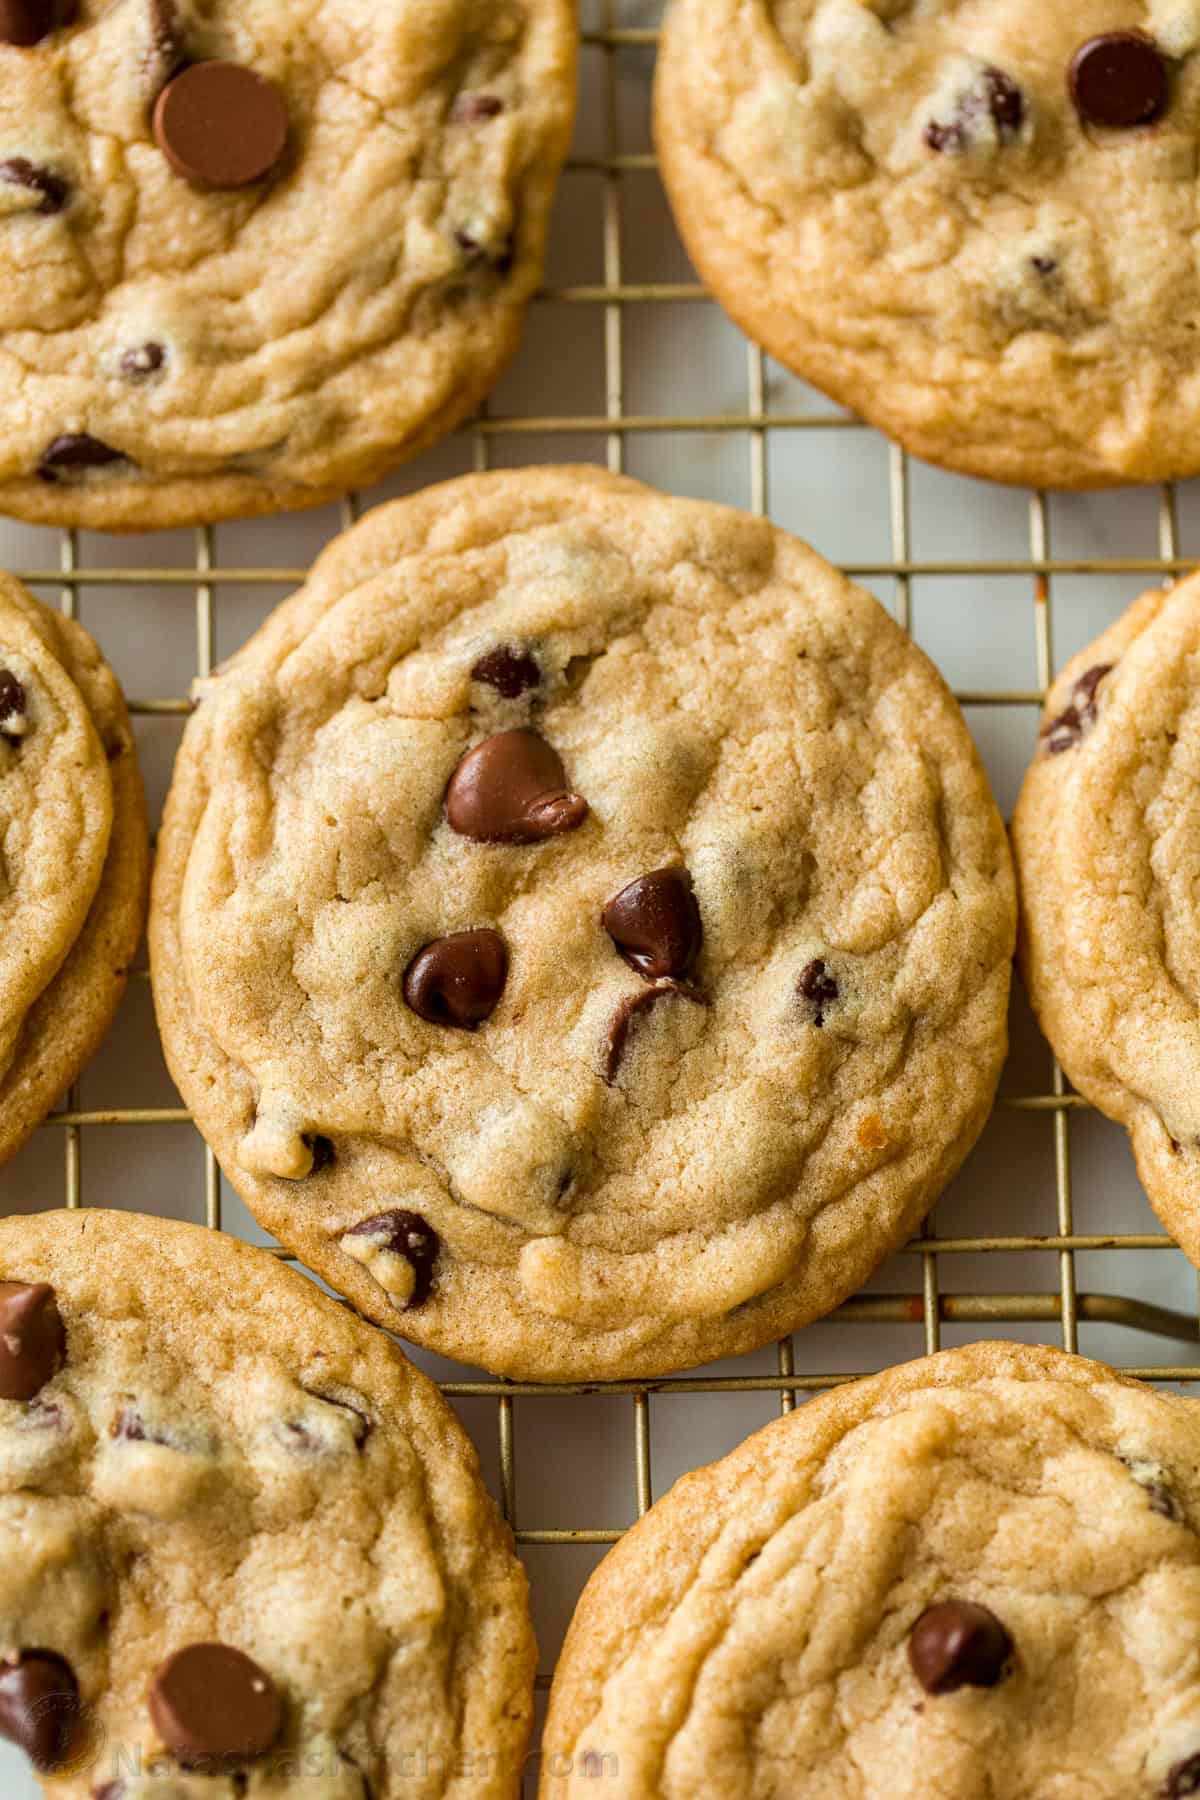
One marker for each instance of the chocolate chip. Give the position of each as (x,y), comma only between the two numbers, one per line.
(1164,1502)
(18,171)
(405,1234)
(323,1152)
(816,985)
(994,97)
(140,363)
(631,1008)
(958,1644)
(1183,1779)
(655,924)
(1045,266)
(458,980)
(473,109)
(75,452)
(1119,80)
(39,1707)
(13,698)
(32,1338)
(220,125)
(512,789)
(209,1701)
(26,22)
(1067,730)
(509,670)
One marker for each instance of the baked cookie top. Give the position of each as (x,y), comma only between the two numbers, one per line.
(975,1574)
(1106,834)
(252,254)
(244,1540)
(582,926)
(73,855)
(973,223)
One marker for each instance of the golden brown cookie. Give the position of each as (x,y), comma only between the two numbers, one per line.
(582,926)
(73,856)
(975,1575)
(246,1547)
(254,254)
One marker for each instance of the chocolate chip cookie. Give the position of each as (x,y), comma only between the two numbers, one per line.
(253,254)
(978,1574)
(73,856)
(582,926)
(972,224)
(1105,834)
(247,1550)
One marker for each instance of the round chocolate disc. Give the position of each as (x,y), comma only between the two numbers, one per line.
(220,125)
(209,1701)
(1119,80)
(26,22)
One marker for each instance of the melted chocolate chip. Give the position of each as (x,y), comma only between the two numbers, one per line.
(993,97)
(1067,730)
(26,22)
(39,1707)
(405,1234)
(220,125)
(74,453)
(510,671)
(13,698)
(1119,80)
(958,1644)
(143,361)
(458,980)
(32,1338)
(631,1008)
(18,171)
(323,1152)
(209,1701)
(818,987)
(1183,1779)
(512,789)
(473,109)
(655,924)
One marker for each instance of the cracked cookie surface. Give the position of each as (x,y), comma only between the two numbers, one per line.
(1105,835)
(253,297)
(976,1574)
(73,856)
(582,926)
(265,1476)
(974,223)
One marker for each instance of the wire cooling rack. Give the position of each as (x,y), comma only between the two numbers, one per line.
(612,371)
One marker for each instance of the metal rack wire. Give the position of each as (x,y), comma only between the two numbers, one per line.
(1065,1307)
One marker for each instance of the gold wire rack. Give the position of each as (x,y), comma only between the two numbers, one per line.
(985,1313)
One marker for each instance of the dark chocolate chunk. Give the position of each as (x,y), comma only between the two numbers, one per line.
(13,698)
(32,1338)
(405,1234)
(143,361)
(958,1644)
(18,171)
(1183,1779)
(458,980)
(816,985)
(630,1009)
(323,1152)
(1067,730)
(39,1707)
(510,671)
(655,924)
(512,789)
(74,453)
(1119,80)
(210,1701)
(473,109)
(26,22)
(994,96)
(220,125)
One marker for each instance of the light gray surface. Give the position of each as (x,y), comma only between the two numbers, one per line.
(575,1457)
